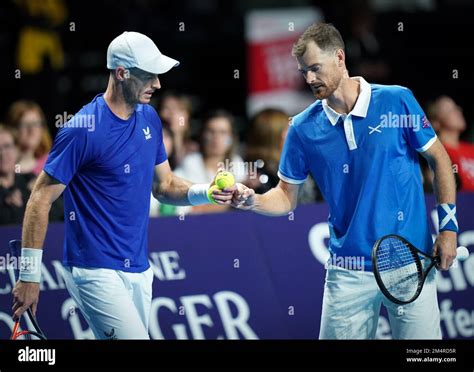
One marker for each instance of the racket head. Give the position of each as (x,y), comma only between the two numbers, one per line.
(20,334)
(399,269)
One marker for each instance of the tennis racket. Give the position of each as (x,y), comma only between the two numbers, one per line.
(400,269)
(18,333)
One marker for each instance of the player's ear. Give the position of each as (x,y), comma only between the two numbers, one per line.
(121,73)
(340,57)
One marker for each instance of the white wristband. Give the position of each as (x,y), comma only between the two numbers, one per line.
(30,265)
(197,194)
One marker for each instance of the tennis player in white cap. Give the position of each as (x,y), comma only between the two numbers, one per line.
(105,171)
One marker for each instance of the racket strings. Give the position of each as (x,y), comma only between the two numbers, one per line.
(398,269)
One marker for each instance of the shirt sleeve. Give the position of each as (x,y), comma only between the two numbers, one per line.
(293,166)
(68,154)
(420,135)
(161,155)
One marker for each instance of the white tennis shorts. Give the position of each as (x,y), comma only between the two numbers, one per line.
(115,304)
(351,307)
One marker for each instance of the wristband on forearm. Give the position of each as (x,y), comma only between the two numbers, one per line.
(30,265)
(197,194)
(447,217)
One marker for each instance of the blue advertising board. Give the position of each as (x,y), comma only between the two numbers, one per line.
(237,276)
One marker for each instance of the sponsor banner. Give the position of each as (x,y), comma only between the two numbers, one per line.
(237,275)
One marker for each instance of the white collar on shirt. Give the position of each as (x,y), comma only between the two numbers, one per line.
(361,106)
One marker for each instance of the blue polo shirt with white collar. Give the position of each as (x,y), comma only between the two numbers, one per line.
(366,166)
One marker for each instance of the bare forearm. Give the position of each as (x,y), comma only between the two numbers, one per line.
(173,191)
(274,202)
(35,223)
(445,190)
(444,182)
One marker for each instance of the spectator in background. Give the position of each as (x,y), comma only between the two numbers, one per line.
(218,145)
(33,138)
(265,141)
(15,188)
(449,122)
(175,114)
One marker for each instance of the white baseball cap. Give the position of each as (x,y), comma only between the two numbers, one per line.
(133,49)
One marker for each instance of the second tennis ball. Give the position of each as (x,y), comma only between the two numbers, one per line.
(224,180)
(209,193)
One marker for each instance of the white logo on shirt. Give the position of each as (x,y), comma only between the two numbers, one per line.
(147,133)
(376,129)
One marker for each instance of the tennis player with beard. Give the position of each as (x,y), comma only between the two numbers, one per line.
(103,161)
(352,141)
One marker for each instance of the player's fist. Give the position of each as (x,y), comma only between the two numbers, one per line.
(243,197)
(222,188)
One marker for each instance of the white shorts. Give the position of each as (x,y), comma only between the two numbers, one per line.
(351,307)
(115,304)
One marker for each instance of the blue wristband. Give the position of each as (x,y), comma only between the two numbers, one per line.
(447,219)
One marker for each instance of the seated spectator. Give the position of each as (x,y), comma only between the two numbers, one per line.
(267,134)
(34,140)
(218,145)
(448,121)
(175,114)
(15,187)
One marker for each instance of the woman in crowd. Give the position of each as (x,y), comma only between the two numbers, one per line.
(33,138)
(15,188)
(265,141)
(218,145)
(175,113)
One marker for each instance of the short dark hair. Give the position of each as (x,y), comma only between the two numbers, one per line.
(325,35)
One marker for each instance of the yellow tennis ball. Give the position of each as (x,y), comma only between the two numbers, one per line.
(209,193)
(224,180)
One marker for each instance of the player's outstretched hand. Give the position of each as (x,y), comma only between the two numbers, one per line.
(25,295)
(243,197)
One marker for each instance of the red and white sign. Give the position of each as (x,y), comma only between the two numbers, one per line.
(273,76)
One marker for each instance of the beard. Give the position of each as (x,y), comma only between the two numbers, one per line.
(327,89)
(130,94)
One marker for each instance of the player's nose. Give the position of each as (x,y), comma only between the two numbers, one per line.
(310,77)
(156,83)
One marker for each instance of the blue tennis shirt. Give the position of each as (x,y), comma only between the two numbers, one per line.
(366,165)
(108,165)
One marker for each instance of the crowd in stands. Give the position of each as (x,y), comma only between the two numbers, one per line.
(25,142)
